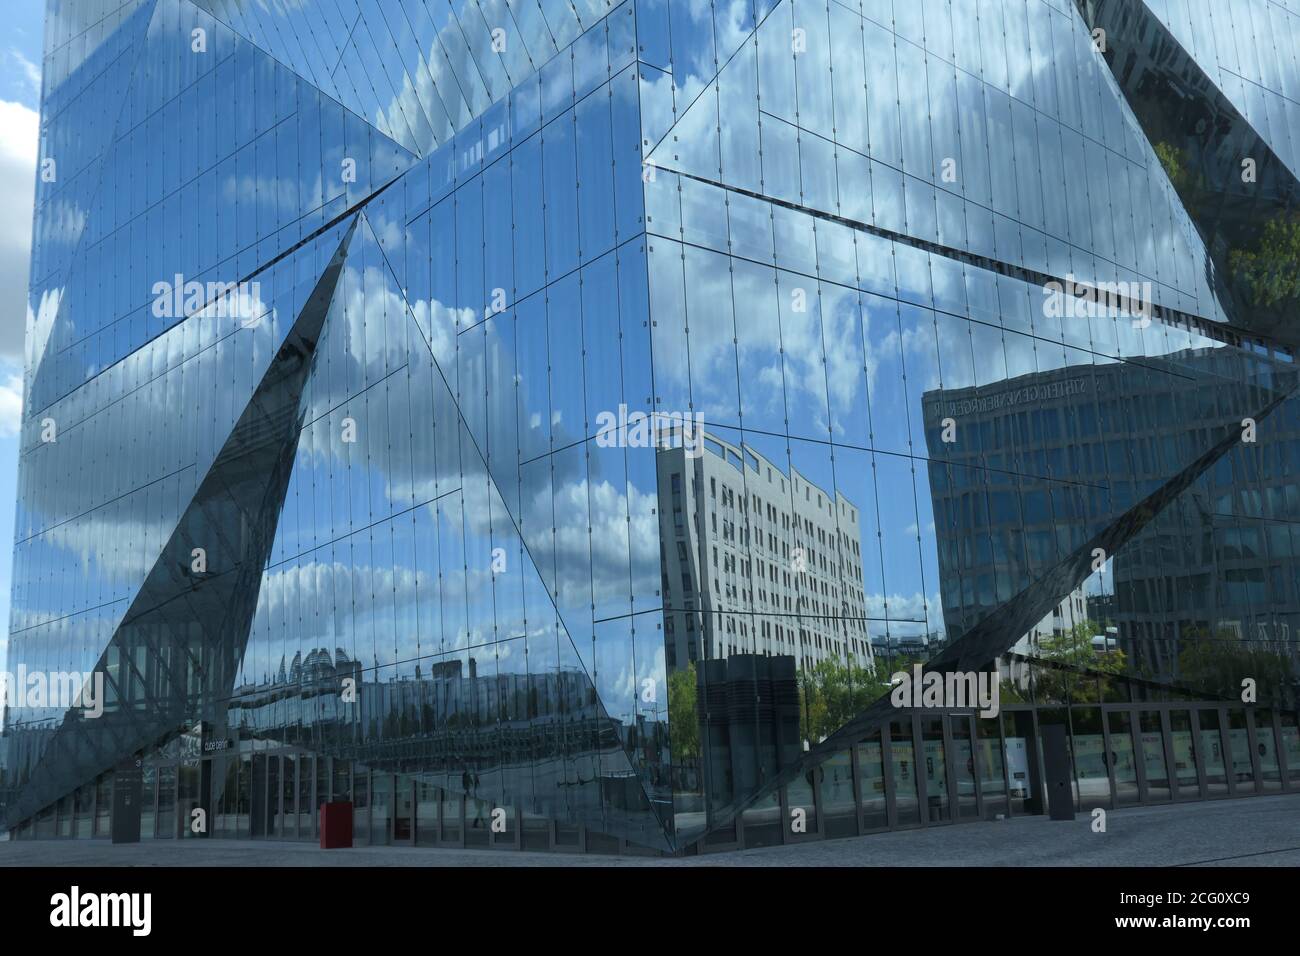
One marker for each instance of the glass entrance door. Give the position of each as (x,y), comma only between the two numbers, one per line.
(1212,751)
(1243,767)
(800,814)
(426,814)
(257,797)
(451,815)
(1183,739)
(1153,756)
(963,767)
(1123,757)
(309,772)
(188,777)
(839,808)
(1270,771)
(1092,780)
(1290,733)
(286,817)
(244,797)
(271,810)
(381,808)
(907,807)
(992,768)
(167,801)
(934,771)
(871,784)
(1022,761)
(148,800)
(404,811)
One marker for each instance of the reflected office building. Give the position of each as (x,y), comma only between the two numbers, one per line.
(1213,574)
(331,310)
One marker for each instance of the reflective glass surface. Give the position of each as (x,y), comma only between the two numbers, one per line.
(545,424)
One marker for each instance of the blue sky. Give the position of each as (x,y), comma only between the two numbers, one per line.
(20,91)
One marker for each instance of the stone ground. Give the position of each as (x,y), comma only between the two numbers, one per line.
(1254,831)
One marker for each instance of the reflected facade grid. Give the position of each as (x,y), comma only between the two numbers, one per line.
(557,425)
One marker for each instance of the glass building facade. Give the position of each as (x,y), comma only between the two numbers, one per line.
(553,424)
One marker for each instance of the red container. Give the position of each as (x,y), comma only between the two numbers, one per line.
(335,825)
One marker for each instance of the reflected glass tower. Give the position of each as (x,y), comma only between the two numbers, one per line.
(932,334)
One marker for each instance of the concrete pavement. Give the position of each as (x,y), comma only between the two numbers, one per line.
(1255,831)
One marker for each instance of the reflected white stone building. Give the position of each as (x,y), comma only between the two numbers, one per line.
(756,561)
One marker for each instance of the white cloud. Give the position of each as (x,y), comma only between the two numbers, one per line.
(11,405)
(18,148)
(29,70)
(905,608)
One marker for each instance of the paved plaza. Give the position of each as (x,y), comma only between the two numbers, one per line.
(1255,831)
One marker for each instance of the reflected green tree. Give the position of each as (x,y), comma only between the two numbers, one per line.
(1009,692)
(1074,670)
(1175,165)
(1218,663)
(683,715)
(1269,272)
(833,692)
